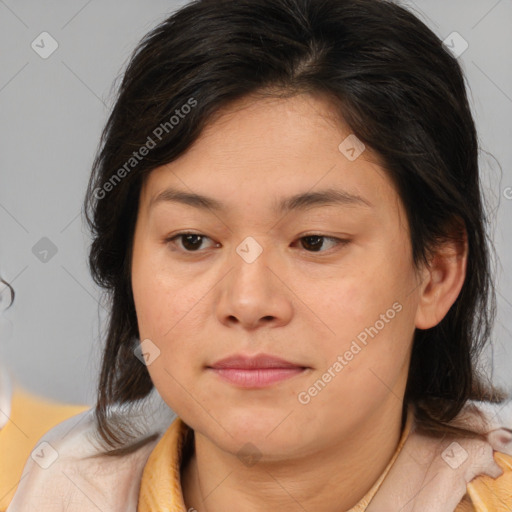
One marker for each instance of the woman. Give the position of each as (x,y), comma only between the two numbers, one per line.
(286,213)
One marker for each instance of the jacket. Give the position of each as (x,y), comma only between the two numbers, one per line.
(426,474)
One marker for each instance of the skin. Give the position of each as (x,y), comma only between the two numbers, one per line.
(295,302)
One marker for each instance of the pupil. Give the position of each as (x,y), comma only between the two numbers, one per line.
(318,240)
(187,238)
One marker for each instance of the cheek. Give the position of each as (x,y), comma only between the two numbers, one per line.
(345,306)
(172,309)
(367,317)
(169,311)
(162,296)
(364,365)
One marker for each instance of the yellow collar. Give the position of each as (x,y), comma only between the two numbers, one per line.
(161,490)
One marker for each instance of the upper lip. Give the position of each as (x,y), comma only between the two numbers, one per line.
(241,361)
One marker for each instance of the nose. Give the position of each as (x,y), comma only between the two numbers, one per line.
(254,293)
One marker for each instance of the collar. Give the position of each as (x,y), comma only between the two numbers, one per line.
(161,488)
(428,474)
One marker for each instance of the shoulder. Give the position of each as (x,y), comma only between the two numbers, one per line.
(485,493)
(70,470)
(29,417)
(464,474)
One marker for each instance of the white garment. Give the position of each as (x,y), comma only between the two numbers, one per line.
(5,395)
(73,483)
(59,476)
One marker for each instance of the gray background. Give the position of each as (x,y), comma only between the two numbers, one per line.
(52,112)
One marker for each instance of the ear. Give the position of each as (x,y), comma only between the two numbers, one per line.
(442,281)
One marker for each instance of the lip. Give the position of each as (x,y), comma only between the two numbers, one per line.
(259,361)
(257,371)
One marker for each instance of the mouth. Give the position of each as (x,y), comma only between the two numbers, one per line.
(255,371)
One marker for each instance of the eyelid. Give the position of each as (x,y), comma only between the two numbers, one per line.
(340,242)
(171,238)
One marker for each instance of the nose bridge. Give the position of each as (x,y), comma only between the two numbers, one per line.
(250,250)
(251,261)
(252,291)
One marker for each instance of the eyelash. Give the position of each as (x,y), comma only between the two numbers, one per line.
(340,241)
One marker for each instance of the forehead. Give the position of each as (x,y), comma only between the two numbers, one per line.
(284,151)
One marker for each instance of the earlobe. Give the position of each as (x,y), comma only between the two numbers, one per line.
(442,284)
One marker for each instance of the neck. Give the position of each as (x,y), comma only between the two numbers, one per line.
(327,481)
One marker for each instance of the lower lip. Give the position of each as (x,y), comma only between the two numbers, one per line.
(256,378)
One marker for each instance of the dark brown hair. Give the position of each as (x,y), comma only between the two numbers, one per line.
(392,82)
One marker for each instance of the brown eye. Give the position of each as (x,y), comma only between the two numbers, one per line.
(314,243)
(190,242)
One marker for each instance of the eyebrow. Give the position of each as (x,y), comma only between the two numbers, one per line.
(301,201)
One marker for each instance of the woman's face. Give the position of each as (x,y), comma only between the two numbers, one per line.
(341,309)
